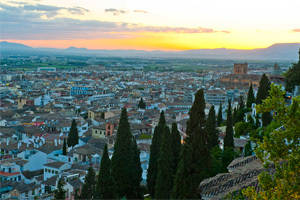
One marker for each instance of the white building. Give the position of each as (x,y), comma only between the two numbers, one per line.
(55,168)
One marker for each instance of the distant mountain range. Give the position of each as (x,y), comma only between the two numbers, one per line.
(281,51)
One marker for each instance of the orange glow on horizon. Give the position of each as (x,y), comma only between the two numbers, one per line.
(167,41)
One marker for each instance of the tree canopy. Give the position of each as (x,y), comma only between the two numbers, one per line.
(279,147)
(73,135)
(154,154)
(292,76)
(125,172)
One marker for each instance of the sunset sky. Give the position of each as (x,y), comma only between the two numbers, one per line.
(150,25)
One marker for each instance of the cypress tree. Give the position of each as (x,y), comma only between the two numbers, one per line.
(250,97)
(197,113)
(292,77)
(213,139)
(263,93)
(257,122)
(104,187)
(60,193)
(228,153)
(154,154)
(122,162)
(220,117)
(263,89)
(228,139)
(88,188)
(194,166)
(235,115)
(248,149)
(141,104)
(76,195)
(216,161)
(137,172)
(239,113)
(73,135)
(176,146)
(64,147)
(194,162)
(164,181)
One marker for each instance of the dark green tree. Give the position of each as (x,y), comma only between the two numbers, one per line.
(241,102)
(248,149)
(228,152)
(154,154)
(141,104)
(292,76)
(164,181)
(220,117)
(216,161)
(250,97)
(235,115)
(194,166)
(176,146)
(228,156)
(73,135)
(195,160)
(197,113)
(64,150)
(60,193)
(88,188)
(266,118)
(137,172)
(228,139)
(123,161)
(263,93)
(212,132)
(76,195)
(257,122)
(104,186)
(263,89)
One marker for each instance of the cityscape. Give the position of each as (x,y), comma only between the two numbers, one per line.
(98,108)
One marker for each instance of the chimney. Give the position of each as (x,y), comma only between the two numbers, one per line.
(7,141)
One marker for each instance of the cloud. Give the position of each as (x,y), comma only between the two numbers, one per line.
(297,30)
(27,23)
(47,10)
(140,11)
(115,11)
(178,29)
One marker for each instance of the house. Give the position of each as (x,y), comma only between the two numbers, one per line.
(33,176)
(3,122)
(88,154)
(99,131)
(36,159)
(72,186)
(55,168)
(48,186)
(10,171)
(25,191)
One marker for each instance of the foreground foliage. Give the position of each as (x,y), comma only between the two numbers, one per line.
(279,148)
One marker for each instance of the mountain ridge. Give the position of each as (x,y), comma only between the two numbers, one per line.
(277,51)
